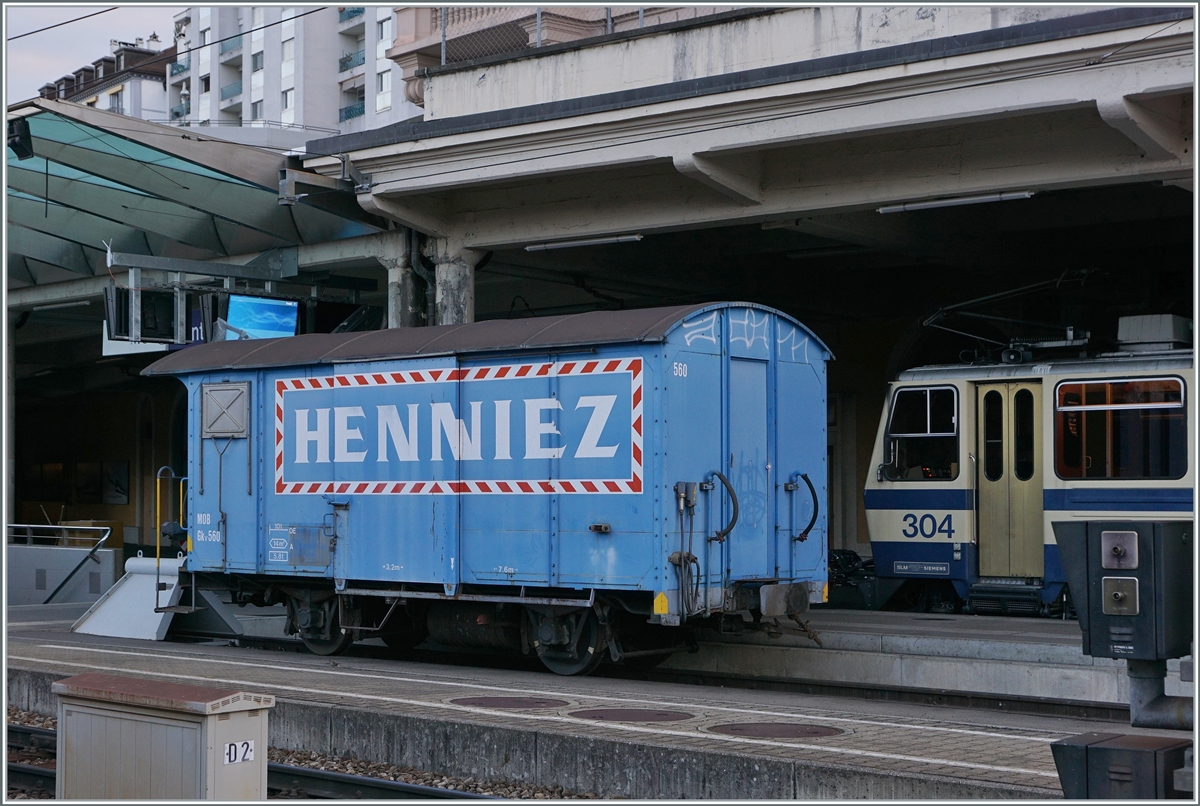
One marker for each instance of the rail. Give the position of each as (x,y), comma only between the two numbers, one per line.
(350,13)
(180,111)
(231,44)
(231,90)
(181,66)
(34,534)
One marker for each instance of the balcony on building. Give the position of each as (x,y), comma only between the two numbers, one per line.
(180,67)
(230,51)
(231,95)
(352,111)
(181,111)
(351,60)
(351,19)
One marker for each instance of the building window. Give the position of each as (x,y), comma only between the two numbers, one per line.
(289,12)
(289,50)
(92,102)
(287,99)
(256,62)
(922,435)
(205,85)
(383,90)
(205,36)
(383,30)
(256,110)
(115,102)
(100,71)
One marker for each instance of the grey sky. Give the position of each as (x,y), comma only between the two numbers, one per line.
(38,59)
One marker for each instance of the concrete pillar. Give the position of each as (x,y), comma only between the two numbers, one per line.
(455,280)
(402,307)
(10,428)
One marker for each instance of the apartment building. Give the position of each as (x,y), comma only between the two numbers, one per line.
(131,80)
(278,75)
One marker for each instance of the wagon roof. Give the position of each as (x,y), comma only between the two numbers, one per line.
(497,335)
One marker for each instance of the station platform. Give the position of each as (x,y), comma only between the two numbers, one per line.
(1029,659)
(610,736)
(1033,664)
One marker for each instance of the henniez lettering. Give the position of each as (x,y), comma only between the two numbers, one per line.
(334,434)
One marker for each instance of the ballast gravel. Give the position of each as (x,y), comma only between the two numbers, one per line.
(407,775)
(351,766)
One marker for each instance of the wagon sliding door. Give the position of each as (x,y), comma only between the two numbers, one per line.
(1010,481)
(750,550)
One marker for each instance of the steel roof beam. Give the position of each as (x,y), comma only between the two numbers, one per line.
(54,250)
(73,225)
(274,265)
(194,229)
(252,208)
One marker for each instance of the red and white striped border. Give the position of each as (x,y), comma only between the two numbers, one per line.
(633,484)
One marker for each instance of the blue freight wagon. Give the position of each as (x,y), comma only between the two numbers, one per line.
(573,486)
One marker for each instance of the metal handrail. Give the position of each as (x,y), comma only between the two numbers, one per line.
(57,540)
(91,555)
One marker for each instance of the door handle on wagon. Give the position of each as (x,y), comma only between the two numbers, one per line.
(720,536)
(791,487)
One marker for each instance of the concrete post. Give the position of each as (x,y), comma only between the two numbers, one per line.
(455,280)
(402,308)
(10,428)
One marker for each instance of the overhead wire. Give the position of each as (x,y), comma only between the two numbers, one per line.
(61,24)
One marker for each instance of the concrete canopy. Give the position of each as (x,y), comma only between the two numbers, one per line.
(889,107)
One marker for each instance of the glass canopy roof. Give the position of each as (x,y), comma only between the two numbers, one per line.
(99,178)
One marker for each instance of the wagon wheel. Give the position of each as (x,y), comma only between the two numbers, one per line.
(589,651)
(409,637)
(330,646)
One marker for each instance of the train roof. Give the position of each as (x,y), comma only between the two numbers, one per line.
(1165,360)
(497,335)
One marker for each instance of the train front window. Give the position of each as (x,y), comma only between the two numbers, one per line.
(922,435)
(1125,429)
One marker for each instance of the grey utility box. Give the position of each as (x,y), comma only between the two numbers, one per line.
(1110,766)
(1131,582)
(135,739)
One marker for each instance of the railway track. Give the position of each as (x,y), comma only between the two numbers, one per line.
(31,768)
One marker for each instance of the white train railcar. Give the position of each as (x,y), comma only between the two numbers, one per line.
(972,464)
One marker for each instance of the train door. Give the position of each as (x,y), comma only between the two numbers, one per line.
(1010,480)
(749,469)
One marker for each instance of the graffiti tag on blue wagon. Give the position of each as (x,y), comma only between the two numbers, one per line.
(533,428)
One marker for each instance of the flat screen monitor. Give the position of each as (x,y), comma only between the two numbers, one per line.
(260,318)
